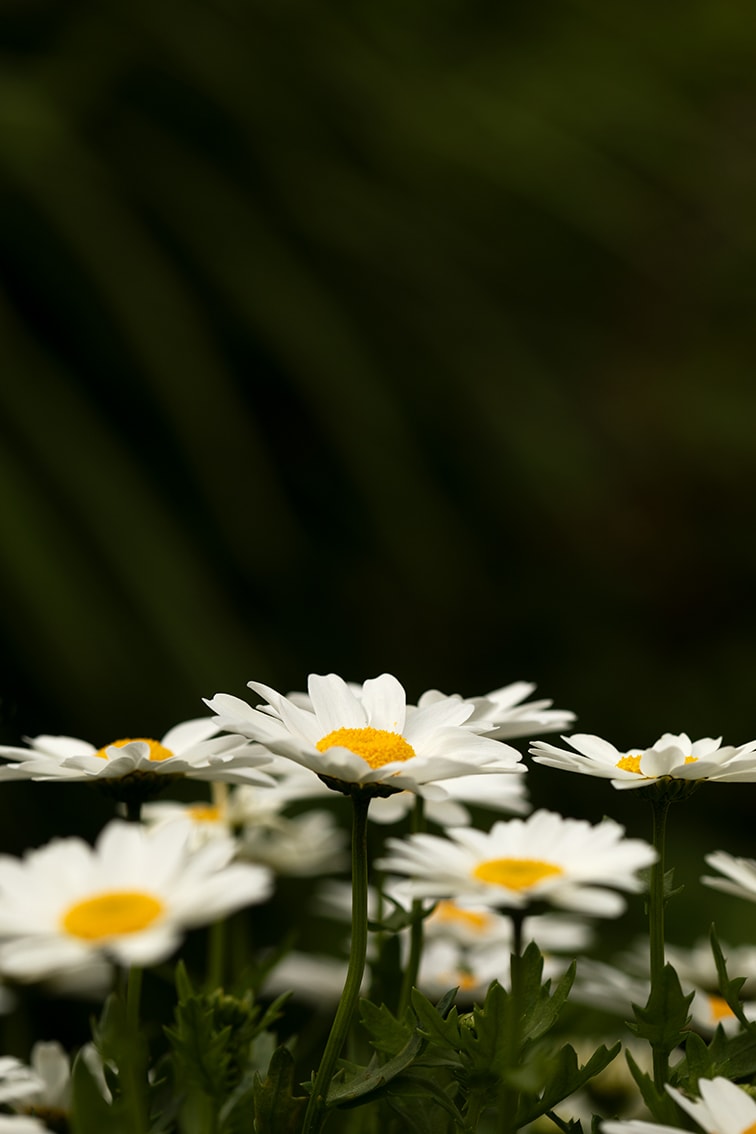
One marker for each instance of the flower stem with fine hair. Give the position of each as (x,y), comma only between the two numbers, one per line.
(316,1108)
(656,900)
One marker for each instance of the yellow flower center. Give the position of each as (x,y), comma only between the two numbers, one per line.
(515,873)
(157,751)
(204,813)
(377,746)
(719,1008)
(690,760)
(630,764)
(749,1129)
(450,912)
(111,914)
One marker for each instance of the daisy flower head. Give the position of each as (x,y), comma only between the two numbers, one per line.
(128,899)
(674,756)
(503,714)
(739,875)
(192,749)
(544,858)
(497,791)
(724,1108)
(362,738)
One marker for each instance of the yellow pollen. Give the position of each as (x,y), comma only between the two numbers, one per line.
(630,764)
(377,746)
(157,751)
(447,911)
(719,1008)
(111,914)
(204,813)
(515,873)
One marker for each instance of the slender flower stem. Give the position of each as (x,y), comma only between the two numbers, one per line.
(316,1108)
(134,810)
(656,902)
(509,1096)
(216,954)
(133,996)
(416,930)
(134,1084)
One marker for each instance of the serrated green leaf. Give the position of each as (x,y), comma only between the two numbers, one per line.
(562,1077)
(387,1034)
(730,989)
(439,1029)
(665,1016)
(277,1109)
(659,1103)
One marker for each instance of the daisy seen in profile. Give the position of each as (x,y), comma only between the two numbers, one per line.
(739,875)
(505,714)
(192,749)
(129,898)
(673,756)
(545,858)
(364,736)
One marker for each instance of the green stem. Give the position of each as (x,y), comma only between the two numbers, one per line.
(656,903)
(416,929)
(316,1108)
(133,996)
(133,1072)
(134,810)
(216,951)
(509,1096)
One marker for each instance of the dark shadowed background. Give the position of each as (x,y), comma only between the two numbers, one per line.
(379,336)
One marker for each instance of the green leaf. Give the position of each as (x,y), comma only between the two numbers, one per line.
(730,989)
(665,1016)
(387,1033)
(91,1113)
(659,1103)
(277,1109)
(562,1077)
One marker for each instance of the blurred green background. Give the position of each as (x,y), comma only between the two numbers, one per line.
(378,336)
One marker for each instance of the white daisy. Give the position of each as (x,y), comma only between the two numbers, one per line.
(740,875)
(673,756)
(129,898)
(495,791)
(22,1124)
(724,1108)
(312,977)
(480,926)
(191,749)
(17,1081)
(503,714)
(545,857)
(368,738)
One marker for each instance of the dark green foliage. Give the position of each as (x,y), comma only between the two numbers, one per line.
(212,1049)
(665,1016)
